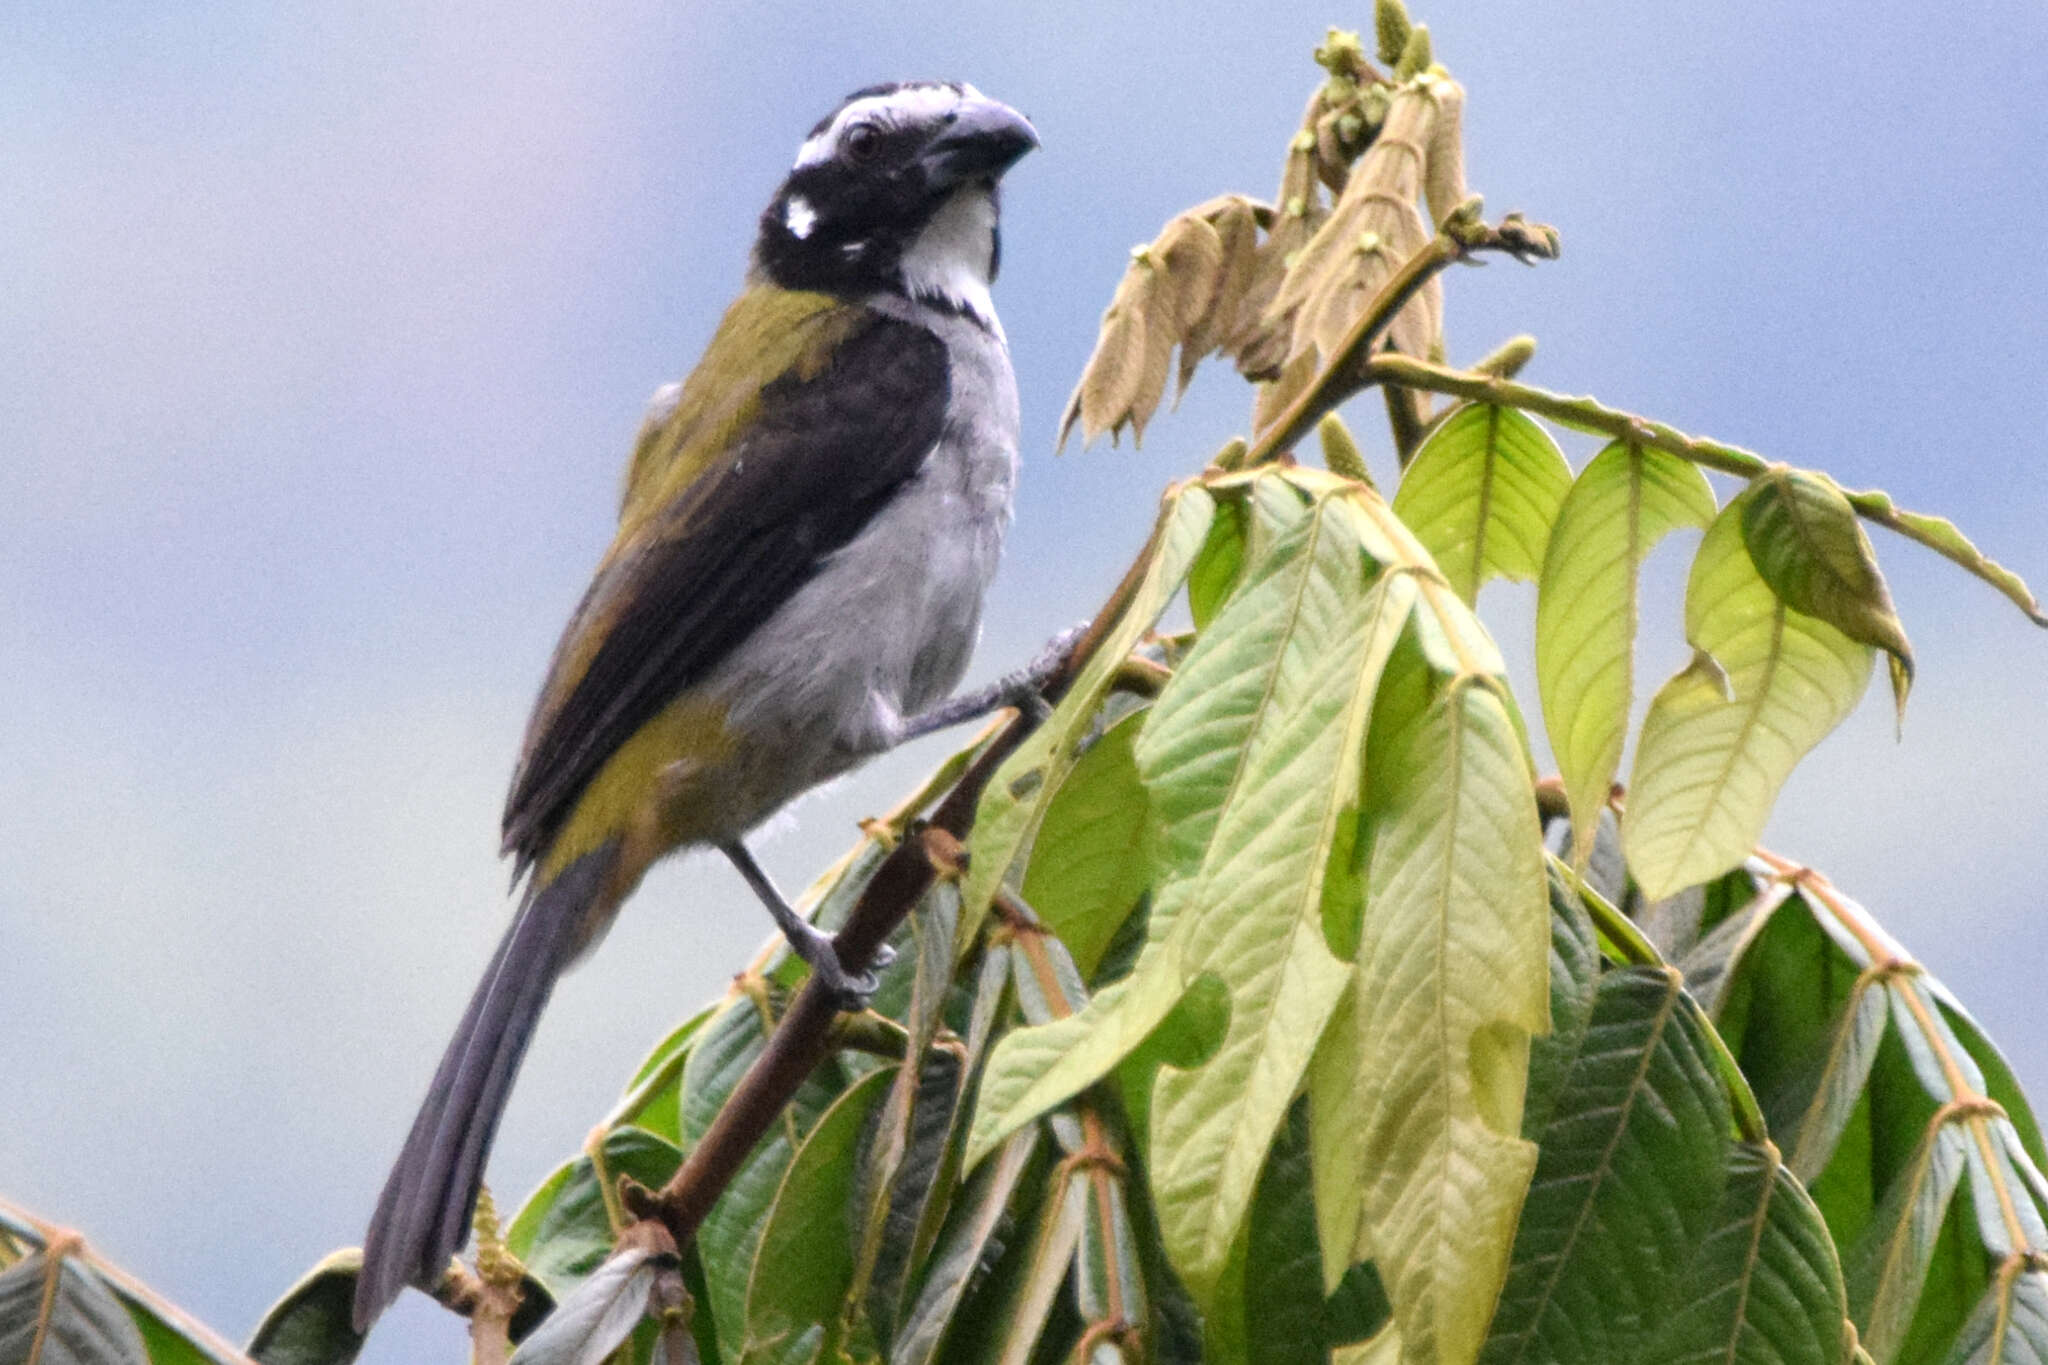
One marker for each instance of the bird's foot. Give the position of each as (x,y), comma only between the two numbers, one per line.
(849,991)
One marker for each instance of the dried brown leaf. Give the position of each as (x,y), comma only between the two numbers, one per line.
(1443,177)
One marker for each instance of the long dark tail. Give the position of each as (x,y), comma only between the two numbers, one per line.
(430,1195)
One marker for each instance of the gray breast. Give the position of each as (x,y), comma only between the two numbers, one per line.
(886,627)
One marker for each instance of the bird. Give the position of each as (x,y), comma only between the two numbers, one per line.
(809,523)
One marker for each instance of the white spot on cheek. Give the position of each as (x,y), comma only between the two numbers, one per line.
(799,217)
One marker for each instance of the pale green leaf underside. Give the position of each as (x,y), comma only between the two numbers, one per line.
(1251,909)
(1481,495)
(1627,499)
(1452,979)
(1766,684)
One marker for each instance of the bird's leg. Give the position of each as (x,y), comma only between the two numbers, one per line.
(806,939)
(1023,689)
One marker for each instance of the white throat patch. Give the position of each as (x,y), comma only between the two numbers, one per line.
(953,257)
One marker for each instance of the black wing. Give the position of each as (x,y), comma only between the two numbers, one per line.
(684,587)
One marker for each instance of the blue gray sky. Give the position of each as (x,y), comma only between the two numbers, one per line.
(325,329)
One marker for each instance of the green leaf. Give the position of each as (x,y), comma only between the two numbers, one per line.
(1452,980)
(1220,562)
(973,1228)
(1765,685)
(313,1323)
(731,1232)
(1197,740)
(1088,866)
(805,1261)
(1627,500)
(1999,1081)
(1311,632)
(1574,979)
(1763,1287)
(2010,1324)
(54,1310)
(1940,535)
(1631,1175)
(1806,541)
(1888,1269)
(1481,495)
(563,1232)
(1019,793)
(653,1098)
(1283,1277)
(599,1315)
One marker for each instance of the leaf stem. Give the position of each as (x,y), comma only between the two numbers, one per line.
(1595,418)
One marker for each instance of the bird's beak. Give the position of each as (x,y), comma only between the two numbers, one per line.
(984,139)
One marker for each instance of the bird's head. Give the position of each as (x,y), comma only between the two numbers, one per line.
(895,191)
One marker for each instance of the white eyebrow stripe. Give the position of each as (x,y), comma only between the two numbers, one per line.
(917,102)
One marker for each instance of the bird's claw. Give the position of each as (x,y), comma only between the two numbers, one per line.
(850,992)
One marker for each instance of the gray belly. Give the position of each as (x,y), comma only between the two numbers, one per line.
(886,626)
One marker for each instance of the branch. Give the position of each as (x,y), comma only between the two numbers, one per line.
(807,1033)
(1591,416)
(1349,370)
(1579,414)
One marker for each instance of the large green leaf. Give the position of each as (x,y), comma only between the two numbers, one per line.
(1482,493)
(805,1261)
(1314,632)
(1019,793)
(1197,740)
(1763,1287)
(1765,685)
(1283,1275)
(1630,1179)
(973,1231)
(2010,1324)
(1627,499)
(1881,1084)
(1452,980)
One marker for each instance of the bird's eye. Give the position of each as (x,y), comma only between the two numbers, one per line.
(863,141)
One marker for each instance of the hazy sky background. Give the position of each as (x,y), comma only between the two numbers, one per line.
(324,330)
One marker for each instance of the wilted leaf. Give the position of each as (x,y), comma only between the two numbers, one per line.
(1627,499)
(1481,495)
(1766,684)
